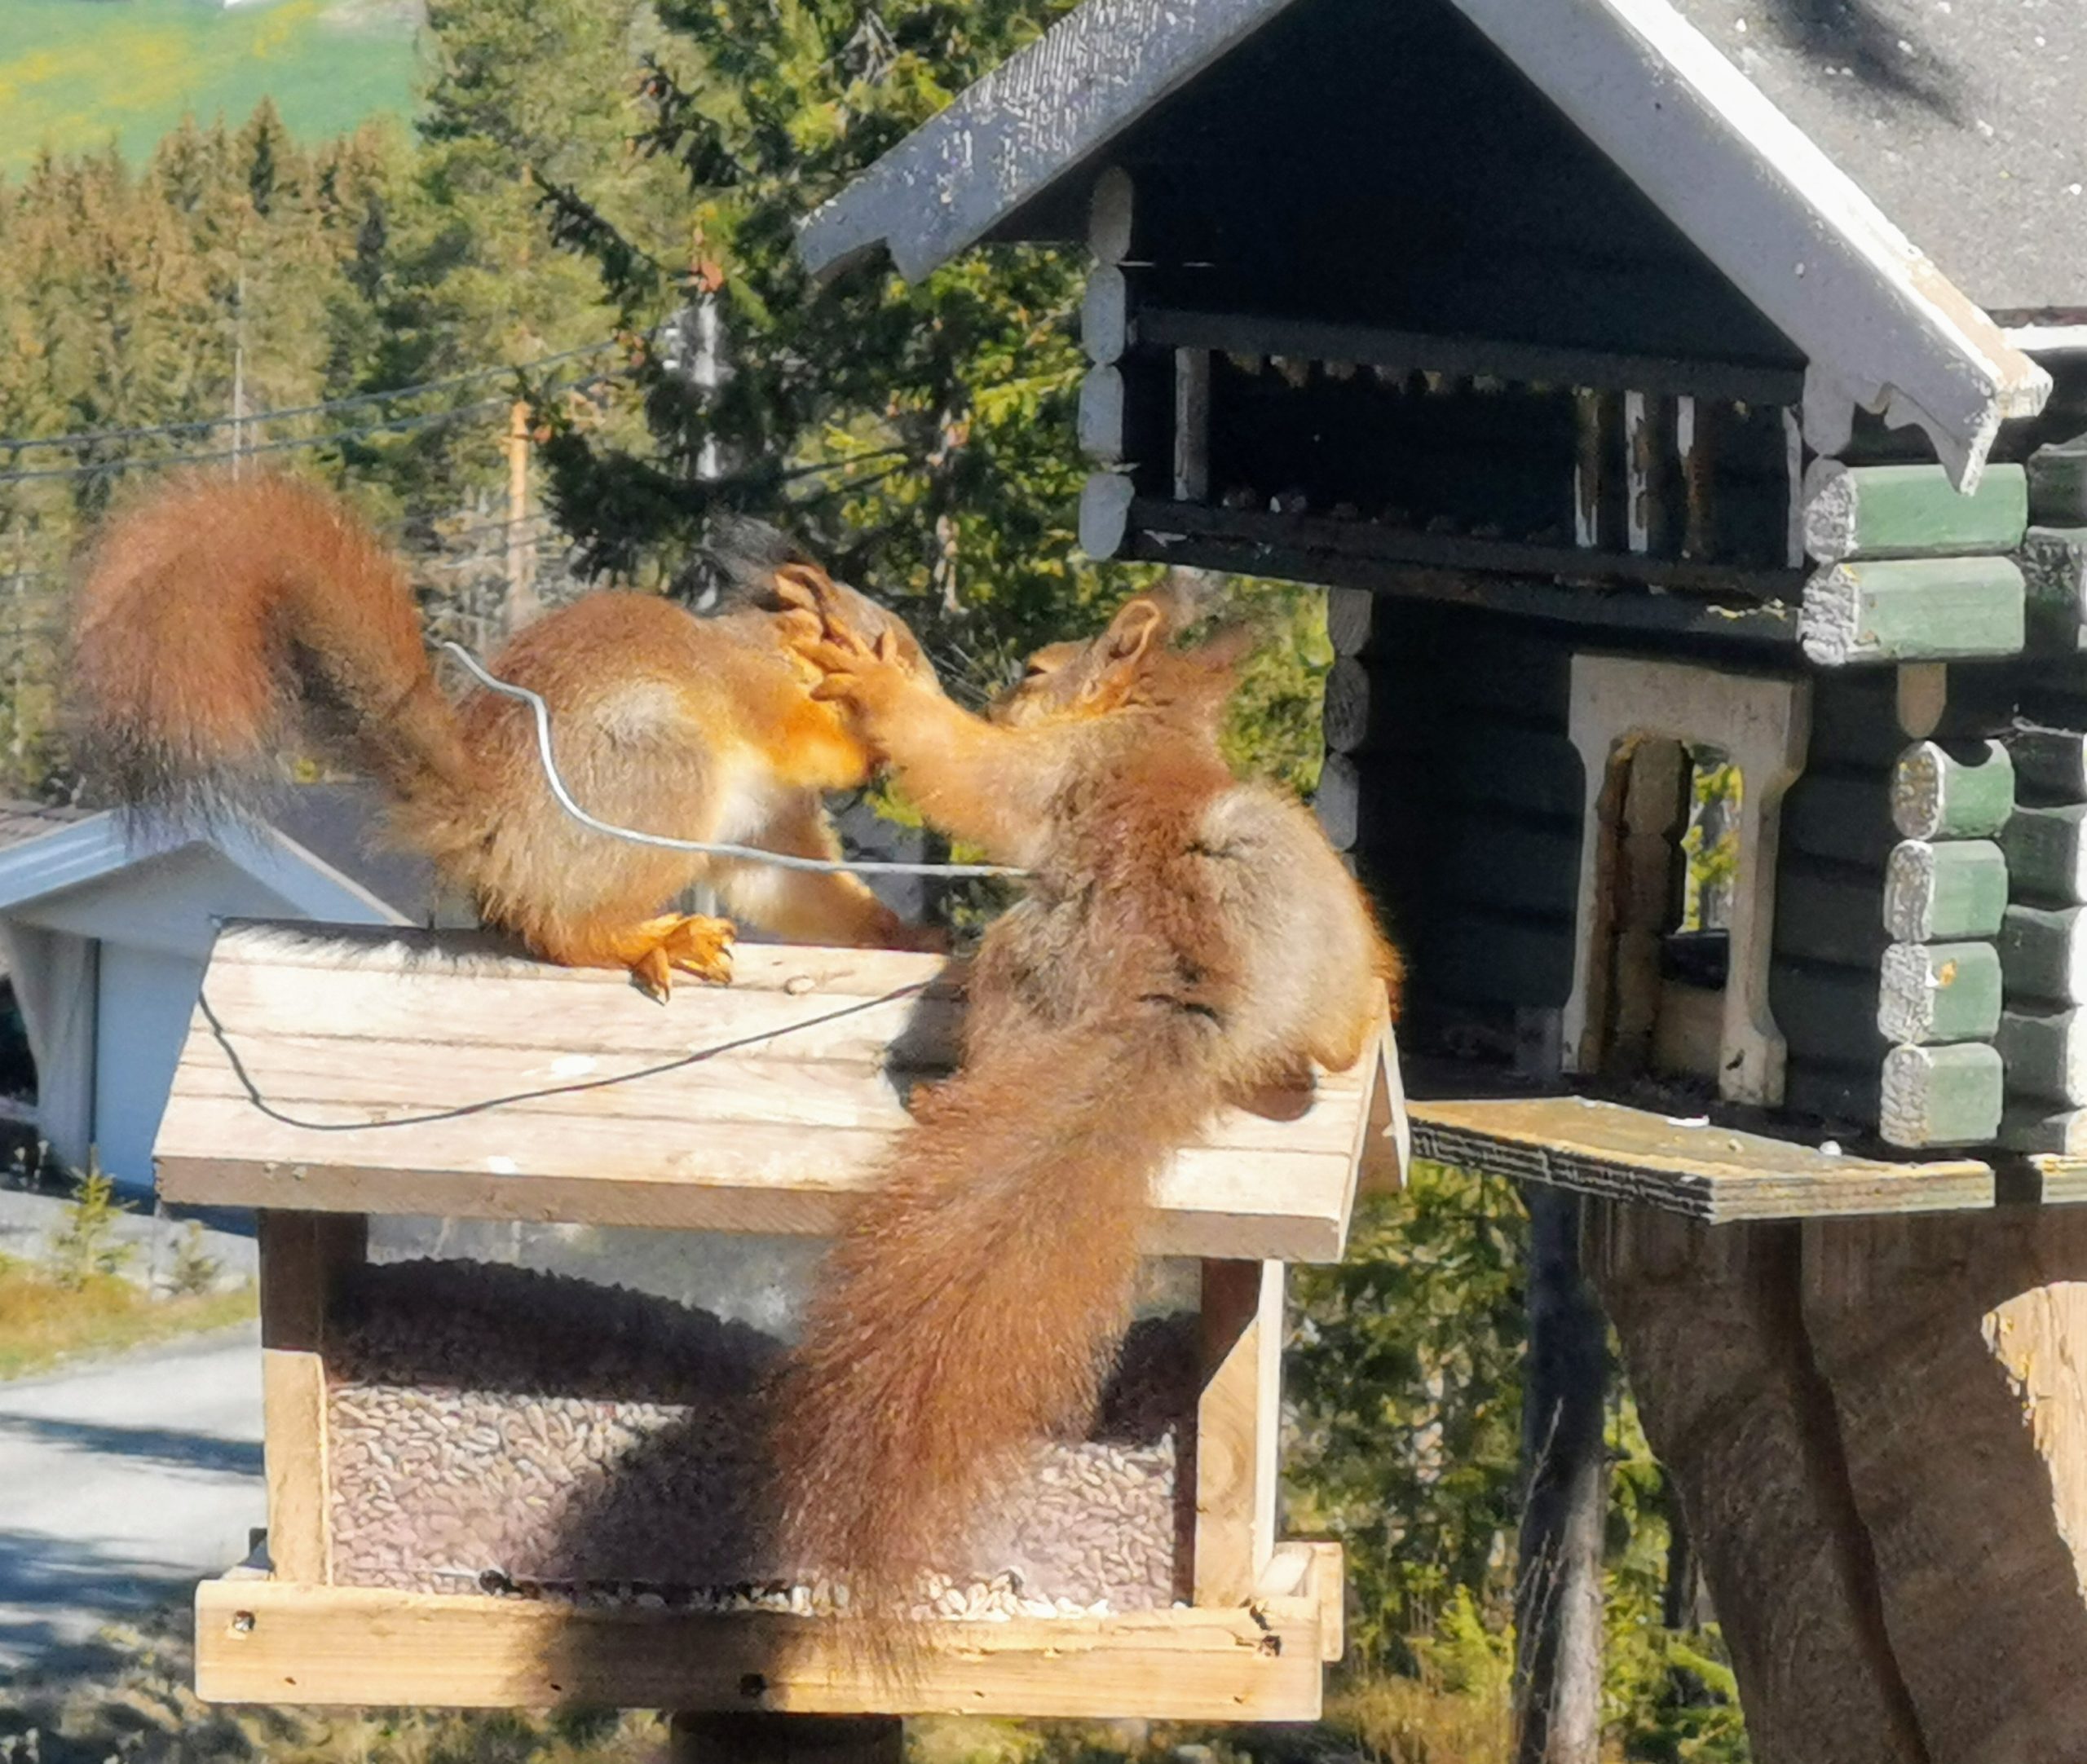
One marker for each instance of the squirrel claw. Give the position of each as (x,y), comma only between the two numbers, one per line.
(792,591)
(684,942)
(801,630)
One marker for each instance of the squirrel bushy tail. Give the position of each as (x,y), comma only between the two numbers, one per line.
(215,614)
(971,1306)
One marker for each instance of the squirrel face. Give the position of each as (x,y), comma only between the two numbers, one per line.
(1066,681)
(1133,666)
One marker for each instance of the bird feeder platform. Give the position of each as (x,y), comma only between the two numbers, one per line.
(332,1074)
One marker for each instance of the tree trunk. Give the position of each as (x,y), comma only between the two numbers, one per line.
(1954,1347)
(1735,1408)
(1558,1595)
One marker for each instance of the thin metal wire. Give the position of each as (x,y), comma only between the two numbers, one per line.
(260,418)
(162,462)
(753,853)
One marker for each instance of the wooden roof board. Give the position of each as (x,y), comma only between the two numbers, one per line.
(427,1073)
(1789,228)
(1715,1174)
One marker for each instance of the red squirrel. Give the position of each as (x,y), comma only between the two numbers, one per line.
(219,617)
(1186,940)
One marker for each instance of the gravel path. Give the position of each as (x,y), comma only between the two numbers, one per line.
(122,1482)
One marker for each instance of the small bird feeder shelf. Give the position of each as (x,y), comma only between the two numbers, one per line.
(501,1487)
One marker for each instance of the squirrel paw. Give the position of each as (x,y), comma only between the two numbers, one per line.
(685,941)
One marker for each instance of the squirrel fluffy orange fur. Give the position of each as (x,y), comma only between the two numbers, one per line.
(219,616)
(1186,941)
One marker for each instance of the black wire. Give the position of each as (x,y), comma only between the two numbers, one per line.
(462,1110)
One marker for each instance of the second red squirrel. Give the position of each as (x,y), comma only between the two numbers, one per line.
(220,619)
(1186,940)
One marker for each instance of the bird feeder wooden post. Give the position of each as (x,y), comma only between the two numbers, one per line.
(481,1481)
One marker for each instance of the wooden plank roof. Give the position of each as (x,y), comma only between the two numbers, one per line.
(333,1069)
(1789,227)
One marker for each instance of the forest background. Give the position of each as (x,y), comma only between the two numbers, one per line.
(542,323)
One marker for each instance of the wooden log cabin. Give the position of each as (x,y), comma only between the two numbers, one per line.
(1686,406)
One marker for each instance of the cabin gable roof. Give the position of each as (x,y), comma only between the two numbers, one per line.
(1963,122)
(1880,325)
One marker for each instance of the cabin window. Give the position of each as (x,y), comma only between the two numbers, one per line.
(1673,829)
(1686,770)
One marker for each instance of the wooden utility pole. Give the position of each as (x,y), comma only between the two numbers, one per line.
(1558,1592)
(521,602)
(238,375)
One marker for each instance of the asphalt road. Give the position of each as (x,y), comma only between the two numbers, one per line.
(121,1483)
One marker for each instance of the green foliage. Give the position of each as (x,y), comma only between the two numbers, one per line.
(239,269)
(1272,727)
(1711,842)
(459,272)
(1405,1444)
(73,77)
(1408,1410)
(1671,1694)
(920,435)
(85,1245)
(194,1269)
(45,1320)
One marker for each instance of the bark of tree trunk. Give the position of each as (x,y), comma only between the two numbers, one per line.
(1558,1600)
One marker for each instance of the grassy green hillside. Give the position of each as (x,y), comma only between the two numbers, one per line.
(74,72)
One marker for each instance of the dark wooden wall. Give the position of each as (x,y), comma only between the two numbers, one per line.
(1469,818)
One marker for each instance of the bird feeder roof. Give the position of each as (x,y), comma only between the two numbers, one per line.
(333,1069)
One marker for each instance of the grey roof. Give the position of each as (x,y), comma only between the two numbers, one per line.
(341,825)
(20,821)
(1965,121)
(1785,225)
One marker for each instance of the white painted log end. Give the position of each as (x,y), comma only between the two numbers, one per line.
(1829,624)
(1105,514)
(1827,511)
(1909,891)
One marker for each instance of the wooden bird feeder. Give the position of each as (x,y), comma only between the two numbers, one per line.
(486,1486)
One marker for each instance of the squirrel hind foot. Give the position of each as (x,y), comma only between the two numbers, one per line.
(685,943)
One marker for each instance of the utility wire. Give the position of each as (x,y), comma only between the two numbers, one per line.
(392,426)
(90,437)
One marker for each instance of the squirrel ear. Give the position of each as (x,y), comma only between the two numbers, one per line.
(1139,624)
